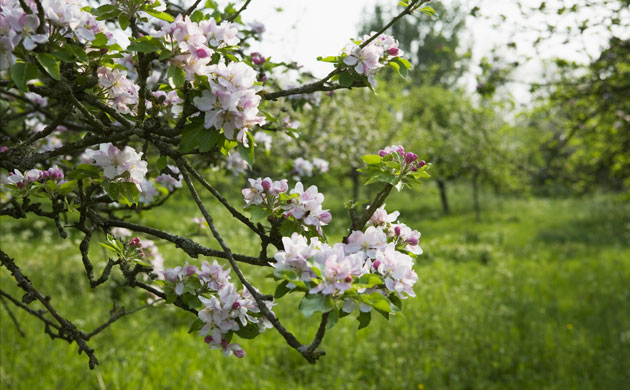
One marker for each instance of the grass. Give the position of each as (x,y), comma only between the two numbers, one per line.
(535,296)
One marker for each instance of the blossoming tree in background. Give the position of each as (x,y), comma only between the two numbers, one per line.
(93,131)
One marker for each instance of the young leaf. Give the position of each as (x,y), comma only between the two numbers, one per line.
(314,303)
(123,20)
(160,15)
(364,319)
(49,63)
(190,137)
(281,290)
(176,76)
(431,12)
(21,73)
(196,325)
(146,45)
(372,159)
(346,79)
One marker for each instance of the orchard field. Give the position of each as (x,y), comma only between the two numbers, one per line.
(306,195)
(534,296)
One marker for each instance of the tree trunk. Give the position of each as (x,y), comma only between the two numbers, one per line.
(442,186)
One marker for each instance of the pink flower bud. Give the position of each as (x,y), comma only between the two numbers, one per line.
(3,149)
(412,241)
(348,279)
(422,163)
(325,217)
(266,184)
(190,270)
(410,157)
(382,153)
(135,242)
(201,53)
(393,51)
(397,230)
(376,264)
(207,339)
(235,305)
(20,184)
(239,353)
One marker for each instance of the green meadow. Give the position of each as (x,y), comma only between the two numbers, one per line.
(536,295)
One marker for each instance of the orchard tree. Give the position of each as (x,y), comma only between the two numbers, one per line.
(93,133)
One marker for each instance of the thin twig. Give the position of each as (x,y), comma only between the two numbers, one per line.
(235,15)
(15,321)
(67,329)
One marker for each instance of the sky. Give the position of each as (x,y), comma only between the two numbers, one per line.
(306,29)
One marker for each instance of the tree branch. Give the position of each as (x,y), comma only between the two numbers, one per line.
(67,329)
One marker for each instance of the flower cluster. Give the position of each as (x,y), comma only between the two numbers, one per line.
(306,168)
(170,99)
(231,103)
(306,207)
(409,160)
(367,60)
(332,270)
(170,180)
(126,164)
(22,180)
(193,42)
(225,311)
(236,164)
(301,206)
(120,90)
(64,17)
(400,234)
(264,191)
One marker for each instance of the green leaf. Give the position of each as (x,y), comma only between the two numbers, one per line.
(258,213)
(333,317)
(49,63)
(367,281)
(190,137)
(79,53)
(208,139)
(376,300)
(281,290)
(247,153)
(68,187)
(372,159)
(123,20)
(431,12)
(176,76)
(404,62)
(160,15)
(196,325)
(400,67)
(161,163)
(328,59)
(364,319)
(100,39)
(22,73)
(165,54)
(146,44)
(64,54)
(196,16)
(249,331)
(191,300)
(346,79)
(84,171)
(311,304)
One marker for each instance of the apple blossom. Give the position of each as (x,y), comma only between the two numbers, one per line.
(126,163)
